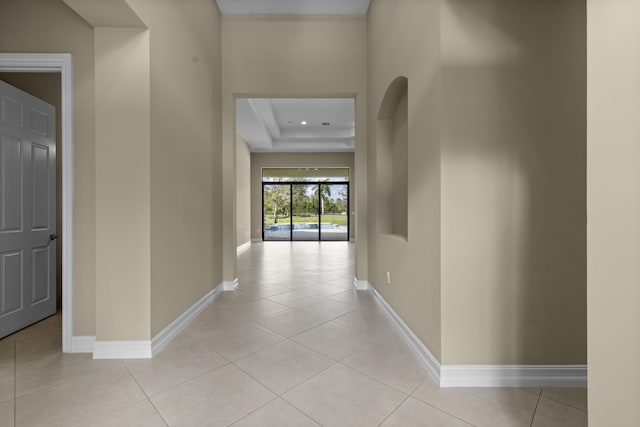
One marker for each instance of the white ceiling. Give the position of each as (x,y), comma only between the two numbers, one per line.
(285,7)
(276,125)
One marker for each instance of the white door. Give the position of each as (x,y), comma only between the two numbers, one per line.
(27,210)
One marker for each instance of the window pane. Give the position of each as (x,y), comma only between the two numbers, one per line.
(276,212)
(334,209)
(305,212)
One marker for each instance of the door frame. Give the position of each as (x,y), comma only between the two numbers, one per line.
(58,63)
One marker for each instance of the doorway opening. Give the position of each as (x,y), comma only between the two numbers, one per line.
(61,63)
(310,204)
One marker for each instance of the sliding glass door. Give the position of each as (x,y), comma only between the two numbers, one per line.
(305,218)
(334,211)
(305,211)
(276,208)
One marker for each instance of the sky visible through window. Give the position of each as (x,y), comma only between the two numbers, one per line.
(305,175)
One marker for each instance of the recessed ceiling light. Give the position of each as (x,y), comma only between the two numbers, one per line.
(303,123)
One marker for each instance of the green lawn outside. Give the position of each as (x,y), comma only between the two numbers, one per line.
(326,219)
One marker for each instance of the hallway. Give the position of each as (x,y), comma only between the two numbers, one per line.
(294,346)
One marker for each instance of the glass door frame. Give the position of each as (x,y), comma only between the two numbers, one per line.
(318,183)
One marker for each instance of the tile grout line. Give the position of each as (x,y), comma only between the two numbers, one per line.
(229,362)
(255,410)
(333,360)
(374,379)
(145,395)
(323,355)
(278,395)
(411,396)
(295,386)
(300,410)
(232,362)
(533,417)
(41,389)
(397,407)
(566,404)
(299,333)
(438,408)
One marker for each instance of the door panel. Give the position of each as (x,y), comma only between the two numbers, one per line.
(27,210)
(40,279)
(334,208)
(10,274)
(306,222)
(11,177)
(10,111)
(40,123)
(40,186)
(276,220)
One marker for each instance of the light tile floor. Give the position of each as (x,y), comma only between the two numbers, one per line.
(294,346)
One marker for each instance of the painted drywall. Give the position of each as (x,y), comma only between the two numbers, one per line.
(513,138)
(613,182)
(296,160)
(112,13)
(123,202)
(404,40)
(292,56)
(51,26)
(243,192)
(185,160)
(180,178)
(46,86)
(494,267)
(399,176)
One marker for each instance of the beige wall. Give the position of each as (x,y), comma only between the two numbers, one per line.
(496,132)
(149,216)
(243,192)
(513,182)
(50,26)
(296,160)
(185,135)
(123,282)
(614,211)
(292,56)
(404,40)
(46,86)
(494,267)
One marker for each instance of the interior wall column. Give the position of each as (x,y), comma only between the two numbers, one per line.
(613,209)
(122,97)
(229,251)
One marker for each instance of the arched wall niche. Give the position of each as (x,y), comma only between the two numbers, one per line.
(392,141)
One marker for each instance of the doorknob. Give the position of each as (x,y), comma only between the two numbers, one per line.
(53,236)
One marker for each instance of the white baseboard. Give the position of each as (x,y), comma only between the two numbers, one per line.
(144,349)
(82,344)
(256,240)
(243,247)
(361,285)
(423,353)
(230,285)
(513,376)
(163,337)
(122,349)
(486,375)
